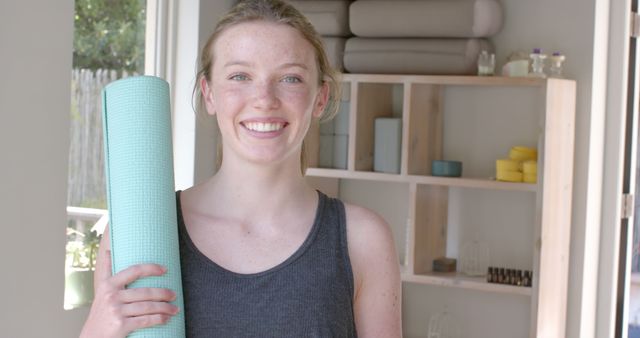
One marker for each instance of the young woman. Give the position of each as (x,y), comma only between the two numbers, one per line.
(262,253)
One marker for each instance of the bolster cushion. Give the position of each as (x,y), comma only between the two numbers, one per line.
(329,17)
(429,18)
(414,56)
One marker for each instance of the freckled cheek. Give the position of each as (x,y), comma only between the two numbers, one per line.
(229,99)
(297,97)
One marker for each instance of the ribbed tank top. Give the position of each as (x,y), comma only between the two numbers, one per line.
(310,294)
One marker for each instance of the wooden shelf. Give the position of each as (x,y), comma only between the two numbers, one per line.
(431,206)
(458,280)
(461,182)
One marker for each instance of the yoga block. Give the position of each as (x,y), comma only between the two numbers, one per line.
(388,139)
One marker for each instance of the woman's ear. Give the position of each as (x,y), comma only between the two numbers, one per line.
(207,95)
(321,100)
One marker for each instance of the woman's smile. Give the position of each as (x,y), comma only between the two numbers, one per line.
(265,128)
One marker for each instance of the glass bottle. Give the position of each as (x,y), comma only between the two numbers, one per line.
(486,63)
(555,68)
(537,63)
(474,258)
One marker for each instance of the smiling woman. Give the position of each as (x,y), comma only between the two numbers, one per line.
(263,253)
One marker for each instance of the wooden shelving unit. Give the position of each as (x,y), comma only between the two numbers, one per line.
(371,96)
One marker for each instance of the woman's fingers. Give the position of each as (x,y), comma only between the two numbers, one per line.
(147,294)
(135,323)
(135,272)
(138,309)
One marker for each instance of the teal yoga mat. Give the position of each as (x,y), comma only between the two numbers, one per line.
(140,187)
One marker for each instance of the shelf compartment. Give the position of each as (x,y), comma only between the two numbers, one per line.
(374,100)
(422,132)
(458,280)
(460,182)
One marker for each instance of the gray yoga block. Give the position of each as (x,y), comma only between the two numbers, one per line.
(388,138)
(341,121)
(340,150)
(325,159)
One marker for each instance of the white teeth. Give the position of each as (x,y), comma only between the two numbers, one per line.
(263,127)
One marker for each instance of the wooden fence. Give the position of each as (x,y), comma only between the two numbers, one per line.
(86,182)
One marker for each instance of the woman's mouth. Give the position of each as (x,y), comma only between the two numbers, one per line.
(264,127)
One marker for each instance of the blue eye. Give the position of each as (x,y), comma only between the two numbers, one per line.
(239,77)
(291,79)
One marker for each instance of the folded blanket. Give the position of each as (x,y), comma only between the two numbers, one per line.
(414,56)
(140,187)
(329,17)
(426,19)
(335,51)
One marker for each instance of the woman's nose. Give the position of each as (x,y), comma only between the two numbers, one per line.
(266,97)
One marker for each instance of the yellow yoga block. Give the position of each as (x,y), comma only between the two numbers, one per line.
(530,167)
(508,165)
(508,176)
(529,178)
(523,153)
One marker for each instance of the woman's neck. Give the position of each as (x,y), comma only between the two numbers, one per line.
(258,191)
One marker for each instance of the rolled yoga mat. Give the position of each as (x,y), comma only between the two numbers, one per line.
(140,187)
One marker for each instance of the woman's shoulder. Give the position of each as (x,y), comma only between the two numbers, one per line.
(368,234)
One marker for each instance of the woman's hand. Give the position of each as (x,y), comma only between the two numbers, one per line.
(117,311)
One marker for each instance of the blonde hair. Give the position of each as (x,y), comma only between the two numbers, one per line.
(280,12)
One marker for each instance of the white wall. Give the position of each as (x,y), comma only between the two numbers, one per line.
(35,63)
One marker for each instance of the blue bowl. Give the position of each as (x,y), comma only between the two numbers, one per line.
(446,168)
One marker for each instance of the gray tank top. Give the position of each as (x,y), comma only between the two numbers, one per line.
(310,294)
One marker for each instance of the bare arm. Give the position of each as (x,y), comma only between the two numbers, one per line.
(378,299)
(116,311)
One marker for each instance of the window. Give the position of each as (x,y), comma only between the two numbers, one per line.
(109,43)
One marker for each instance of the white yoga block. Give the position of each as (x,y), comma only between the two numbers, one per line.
(340,150)
(325,155)
(388,138)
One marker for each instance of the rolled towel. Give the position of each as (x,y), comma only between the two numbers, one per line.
(426,19)
(329,17)
(414,56)
(140,187)
(334,47)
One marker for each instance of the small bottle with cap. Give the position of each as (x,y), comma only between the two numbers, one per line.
(555,68)
(537,63)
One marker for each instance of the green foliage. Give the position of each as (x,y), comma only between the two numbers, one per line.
(109,34)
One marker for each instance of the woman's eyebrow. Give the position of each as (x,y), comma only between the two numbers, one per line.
(236,63)
(294,65)
(282,66)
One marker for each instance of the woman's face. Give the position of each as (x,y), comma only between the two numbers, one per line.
(264,90)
